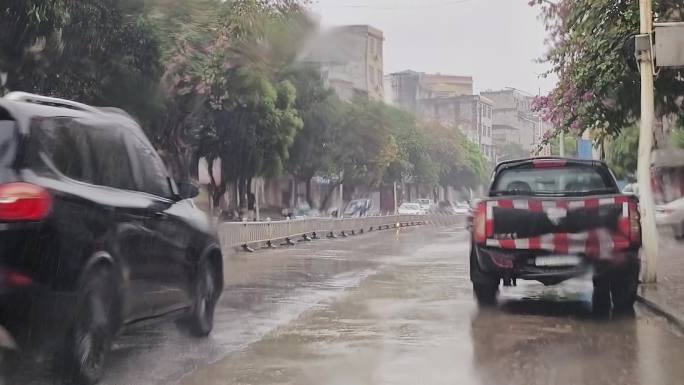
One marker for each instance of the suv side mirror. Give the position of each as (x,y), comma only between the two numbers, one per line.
(187,190)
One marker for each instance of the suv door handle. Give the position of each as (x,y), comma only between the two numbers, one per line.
(160,215)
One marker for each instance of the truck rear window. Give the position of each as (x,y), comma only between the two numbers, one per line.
(571,179)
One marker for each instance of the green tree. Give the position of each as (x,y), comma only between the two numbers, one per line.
(460,162)
(570,145)
(321,113)
(363,146)
(88,50)
(621,154)
(511,150)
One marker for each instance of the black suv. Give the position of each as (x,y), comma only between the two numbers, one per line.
(94,234)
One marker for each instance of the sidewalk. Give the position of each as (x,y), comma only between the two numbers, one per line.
(667,295)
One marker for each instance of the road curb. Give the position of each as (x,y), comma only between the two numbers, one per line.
(659,307)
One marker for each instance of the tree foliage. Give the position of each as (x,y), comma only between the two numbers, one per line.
(587,51)
(220,80)
(89,50)
(622,152)
(459,161)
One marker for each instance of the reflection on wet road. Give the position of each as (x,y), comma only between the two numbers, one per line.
(395,308)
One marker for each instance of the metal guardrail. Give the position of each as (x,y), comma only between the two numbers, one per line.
(242,234)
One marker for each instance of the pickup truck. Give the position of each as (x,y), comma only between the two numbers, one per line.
(551,219)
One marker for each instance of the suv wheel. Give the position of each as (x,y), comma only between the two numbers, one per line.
(623,287)
(204,303)
(485,286)
(94,327)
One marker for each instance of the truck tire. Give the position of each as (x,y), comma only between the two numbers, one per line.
(623,287)
(485,294)
(600,298)
(485,286)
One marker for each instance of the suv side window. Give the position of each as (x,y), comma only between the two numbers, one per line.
(112,164)
(153,176)
(60,143)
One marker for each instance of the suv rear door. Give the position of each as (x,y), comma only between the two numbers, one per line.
(166,219)
(85,164)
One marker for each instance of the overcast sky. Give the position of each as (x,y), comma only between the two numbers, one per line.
(495,41)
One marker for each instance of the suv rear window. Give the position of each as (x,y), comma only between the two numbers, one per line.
(571,179)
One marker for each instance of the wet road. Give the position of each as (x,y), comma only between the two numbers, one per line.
(393,307)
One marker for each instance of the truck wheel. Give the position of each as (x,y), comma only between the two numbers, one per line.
(600,298)
(623,288)
(485,286)
(485,293)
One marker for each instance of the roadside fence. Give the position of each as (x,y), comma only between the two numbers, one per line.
(234,235)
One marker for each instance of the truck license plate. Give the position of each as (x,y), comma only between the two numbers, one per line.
(558,260)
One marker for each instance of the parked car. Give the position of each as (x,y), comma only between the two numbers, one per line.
(671,215)
(425,205)
(550,219)
(94,233)
(410,209)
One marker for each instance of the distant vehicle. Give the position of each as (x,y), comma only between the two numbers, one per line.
(410,209)
(302,211)
(94,234)
(462,208)
(425,205)
(550,219)
(671,215)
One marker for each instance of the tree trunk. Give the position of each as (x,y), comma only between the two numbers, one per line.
(329,194)
(309,198)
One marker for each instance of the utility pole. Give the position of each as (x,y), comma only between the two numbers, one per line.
(561,144)
(646,203)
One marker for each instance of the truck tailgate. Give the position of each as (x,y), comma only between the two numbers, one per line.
(595,226)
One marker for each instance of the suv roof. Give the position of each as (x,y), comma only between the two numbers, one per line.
(23,106)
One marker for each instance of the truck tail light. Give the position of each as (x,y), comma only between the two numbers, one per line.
(634,223)
(23,202)
(480,223)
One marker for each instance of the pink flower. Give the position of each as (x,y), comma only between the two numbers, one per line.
(588,96)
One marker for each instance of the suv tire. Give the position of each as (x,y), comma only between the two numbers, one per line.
(90,336)
(201,317)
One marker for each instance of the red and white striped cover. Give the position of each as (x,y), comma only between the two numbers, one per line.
(598,243)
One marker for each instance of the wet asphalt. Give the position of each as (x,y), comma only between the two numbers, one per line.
(391,307)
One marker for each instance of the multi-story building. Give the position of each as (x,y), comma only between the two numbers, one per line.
(513,120)
(407,88)
(472,114)
(350,60)
(447,99)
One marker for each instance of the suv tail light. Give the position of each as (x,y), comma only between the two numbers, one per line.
(23,202)
(480,223)
(634,223)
